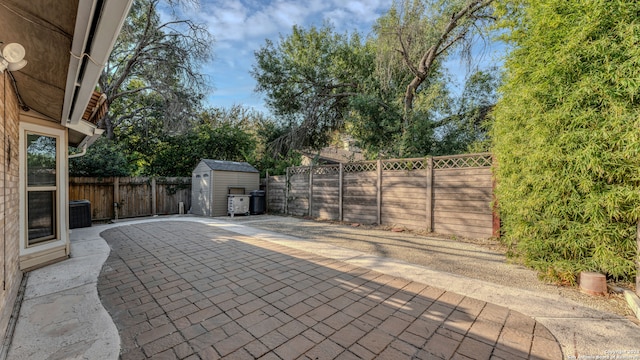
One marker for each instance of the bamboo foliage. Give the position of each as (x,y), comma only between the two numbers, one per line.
(567,140)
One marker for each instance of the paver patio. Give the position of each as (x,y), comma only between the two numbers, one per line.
(180,290)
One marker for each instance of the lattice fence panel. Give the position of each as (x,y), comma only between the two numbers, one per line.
(326,170)
(360,167)
(299,170)
(459,162)
(404,165)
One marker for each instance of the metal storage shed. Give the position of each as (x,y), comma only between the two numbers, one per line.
(211,180)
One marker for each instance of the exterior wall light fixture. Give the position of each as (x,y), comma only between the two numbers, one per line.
(12,57)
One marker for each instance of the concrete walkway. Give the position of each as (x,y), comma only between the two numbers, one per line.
(324,301)
(61,316)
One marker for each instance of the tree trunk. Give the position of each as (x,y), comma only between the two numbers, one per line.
(446,40)
(107,125)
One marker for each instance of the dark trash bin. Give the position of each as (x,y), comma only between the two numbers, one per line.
(257,202)
(79,214)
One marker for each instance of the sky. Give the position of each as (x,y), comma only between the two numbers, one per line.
(240,27)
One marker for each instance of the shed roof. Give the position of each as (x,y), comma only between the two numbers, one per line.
(221,165)
(333,155)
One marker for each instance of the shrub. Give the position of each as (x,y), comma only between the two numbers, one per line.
(567,137)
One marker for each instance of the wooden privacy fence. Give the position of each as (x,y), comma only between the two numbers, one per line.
(445,194)
(134,196)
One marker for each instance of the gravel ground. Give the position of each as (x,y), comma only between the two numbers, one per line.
(484,260)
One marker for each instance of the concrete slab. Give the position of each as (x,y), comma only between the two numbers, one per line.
(70,324)
(61,316)
(71,273)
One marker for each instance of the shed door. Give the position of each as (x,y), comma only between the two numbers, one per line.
(201,200)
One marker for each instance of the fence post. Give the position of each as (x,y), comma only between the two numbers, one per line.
(495,211)
(286,193)
(310,212)
(266,191)
(154,198)
(116,197)
(429,201)
(379,193)
(340,192)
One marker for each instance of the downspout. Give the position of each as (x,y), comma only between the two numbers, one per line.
(87,142)
(81,153)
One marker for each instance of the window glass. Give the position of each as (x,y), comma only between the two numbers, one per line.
(41,188)
(41,160)
(42,216)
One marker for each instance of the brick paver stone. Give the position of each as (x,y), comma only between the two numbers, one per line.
(181,290)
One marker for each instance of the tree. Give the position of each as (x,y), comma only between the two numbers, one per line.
(177,155)
(415,35)
(103,159)
(266,130)
(374,121)
(566,136)
(319,81)
(467,129)
(308,78)
(446,124)
(153,70)
(236,134)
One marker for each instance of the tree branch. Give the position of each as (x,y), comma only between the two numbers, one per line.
(440,47)
(130,92)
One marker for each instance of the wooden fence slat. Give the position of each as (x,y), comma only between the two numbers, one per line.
(154,197)
(134,196)
(116,197)
(457,200)
(311,190)
(453,195)
(340,191)
(379,191)
(286,193)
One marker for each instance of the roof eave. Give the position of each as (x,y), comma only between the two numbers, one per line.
(85,69)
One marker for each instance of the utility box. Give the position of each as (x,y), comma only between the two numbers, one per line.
(79,214)
(237,204)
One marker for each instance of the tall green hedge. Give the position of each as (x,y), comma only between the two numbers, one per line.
(567,136)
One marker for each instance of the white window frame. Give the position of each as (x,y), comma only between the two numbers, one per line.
(61,223)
